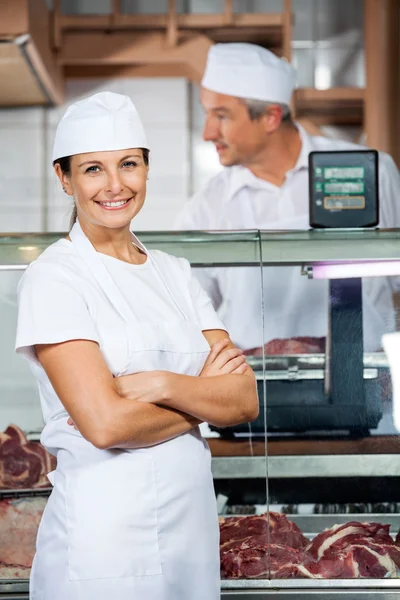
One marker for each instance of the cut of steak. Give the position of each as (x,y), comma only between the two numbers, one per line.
(23,464)
(290,346)
(362,550)
(355,549)
(254,530)
(261,561)
(19,522)
(341,536)
(245,551)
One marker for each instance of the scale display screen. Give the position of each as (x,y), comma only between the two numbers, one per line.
(344,189)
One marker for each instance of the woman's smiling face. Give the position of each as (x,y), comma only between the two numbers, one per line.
(109,187)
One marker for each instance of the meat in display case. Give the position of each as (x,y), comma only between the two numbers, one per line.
(308,494)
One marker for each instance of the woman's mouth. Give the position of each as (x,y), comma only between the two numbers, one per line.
(114,204)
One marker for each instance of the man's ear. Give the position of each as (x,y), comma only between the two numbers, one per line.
(272,118)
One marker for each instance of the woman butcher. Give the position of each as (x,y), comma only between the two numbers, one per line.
(126,346)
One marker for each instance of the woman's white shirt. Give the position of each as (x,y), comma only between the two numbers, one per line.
(59,300)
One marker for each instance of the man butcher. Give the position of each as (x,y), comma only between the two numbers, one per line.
(246,92)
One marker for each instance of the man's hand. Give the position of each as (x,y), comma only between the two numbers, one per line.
(223,360)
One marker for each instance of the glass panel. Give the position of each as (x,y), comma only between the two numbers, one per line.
(200,247)
(332,443)
(239,453)
(203,247)
(301,247)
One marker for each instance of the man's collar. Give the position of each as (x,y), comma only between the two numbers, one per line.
(241,177)
(306,148)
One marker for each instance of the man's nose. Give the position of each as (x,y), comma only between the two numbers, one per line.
(210,131)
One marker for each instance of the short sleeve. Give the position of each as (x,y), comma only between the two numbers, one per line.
(51,309)
(204,309)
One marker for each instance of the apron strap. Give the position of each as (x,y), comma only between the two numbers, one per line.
(98,270)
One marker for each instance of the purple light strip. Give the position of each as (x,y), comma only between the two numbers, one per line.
(349,270)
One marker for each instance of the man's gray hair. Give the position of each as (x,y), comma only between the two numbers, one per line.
(257,108)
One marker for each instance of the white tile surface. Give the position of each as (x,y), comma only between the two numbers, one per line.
(21,184)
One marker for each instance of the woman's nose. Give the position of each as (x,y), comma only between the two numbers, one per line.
(114,184)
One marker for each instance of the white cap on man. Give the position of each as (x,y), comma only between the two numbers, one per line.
(249,71)
(105,121)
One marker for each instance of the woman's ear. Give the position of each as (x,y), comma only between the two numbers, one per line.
(64,180)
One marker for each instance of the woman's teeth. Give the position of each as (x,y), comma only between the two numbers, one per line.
(111,204)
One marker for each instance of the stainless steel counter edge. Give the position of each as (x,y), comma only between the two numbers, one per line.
(298,584)
(340,465)
(339,585)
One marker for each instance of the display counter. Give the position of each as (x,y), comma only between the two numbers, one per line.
(324,451)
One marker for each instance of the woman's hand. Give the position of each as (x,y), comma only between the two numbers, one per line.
(70,422)
(223,360)
(148,386)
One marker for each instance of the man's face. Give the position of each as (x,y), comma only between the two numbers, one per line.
(237,139)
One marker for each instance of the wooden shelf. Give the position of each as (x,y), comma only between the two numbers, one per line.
(162,44)
(389,444)
(160,21)
(336,106)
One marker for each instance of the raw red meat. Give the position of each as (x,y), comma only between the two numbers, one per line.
(290,346)
(254,530)
(261,561)
(363,550)
(19,522)
(23,464)
(354,550)
(245,551)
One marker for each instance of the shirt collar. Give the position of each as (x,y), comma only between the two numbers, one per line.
(241,177)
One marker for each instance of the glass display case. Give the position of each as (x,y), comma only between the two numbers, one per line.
(308,494)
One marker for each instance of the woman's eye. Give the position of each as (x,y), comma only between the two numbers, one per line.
(129,163)
(92,169)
